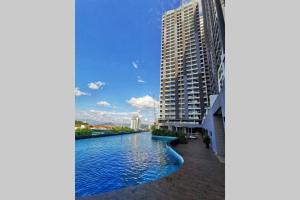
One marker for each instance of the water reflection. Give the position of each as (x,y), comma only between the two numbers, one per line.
(109,163)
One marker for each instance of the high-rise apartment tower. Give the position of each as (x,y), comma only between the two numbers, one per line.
(214,22)
(135,123)
(184,69)
(213,123)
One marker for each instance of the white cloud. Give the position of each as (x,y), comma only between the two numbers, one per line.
(80,93)
(135,65)
(143,107)
(140,80)
(103,103)
(96,85)
(145,102)
(99,116)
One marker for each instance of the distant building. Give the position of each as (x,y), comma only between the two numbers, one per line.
(82,126)
(101,127)
(135,123)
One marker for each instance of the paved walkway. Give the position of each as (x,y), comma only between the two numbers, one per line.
(202,177)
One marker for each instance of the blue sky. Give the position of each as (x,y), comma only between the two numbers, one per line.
(118,58)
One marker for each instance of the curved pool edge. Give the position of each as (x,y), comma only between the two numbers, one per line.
(176,155)
(169,146)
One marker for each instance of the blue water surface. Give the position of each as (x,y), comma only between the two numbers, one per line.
(108,163)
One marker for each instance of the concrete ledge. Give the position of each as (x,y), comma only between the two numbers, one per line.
(103,135)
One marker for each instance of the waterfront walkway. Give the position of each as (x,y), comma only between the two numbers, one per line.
(202,177)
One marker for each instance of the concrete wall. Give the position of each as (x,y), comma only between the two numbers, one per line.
(214,124)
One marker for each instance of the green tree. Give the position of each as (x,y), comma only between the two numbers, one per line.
(83,132)
(119,129)
(153,127)
(79,123)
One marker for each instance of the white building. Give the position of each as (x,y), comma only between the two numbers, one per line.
(80,127)
(135,123)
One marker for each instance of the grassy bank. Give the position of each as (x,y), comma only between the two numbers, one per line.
(120,129)
(89,133)
(83,132)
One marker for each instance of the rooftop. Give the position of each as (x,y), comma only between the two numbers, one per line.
(180,7)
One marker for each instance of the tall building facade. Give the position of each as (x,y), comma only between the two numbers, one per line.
(214,26)
(213,123)
(184,71)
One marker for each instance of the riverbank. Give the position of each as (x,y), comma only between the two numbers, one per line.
(105,135)
(202,176)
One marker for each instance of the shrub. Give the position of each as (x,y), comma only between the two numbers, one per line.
(83,132)
(182,139)
(118,129)
(178,134)
(153,127)
(206,140)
